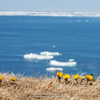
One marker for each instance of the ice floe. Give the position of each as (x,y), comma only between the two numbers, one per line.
(54,46)
(54,69)
(50,53)
(57,63)
(87,20)
(71,60)
(51,13)
(35,56)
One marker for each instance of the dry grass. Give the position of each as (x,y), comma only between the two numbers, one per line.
(30,88)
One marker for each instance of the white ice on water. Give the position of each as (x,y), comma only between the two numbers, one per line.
(54,46)
(87,20)
(54,69)
(35,56)
(51,13)
(71,60)
(57,63)
(50,53)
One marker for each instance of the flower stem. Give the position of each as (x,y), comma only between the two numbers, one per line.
(76,81)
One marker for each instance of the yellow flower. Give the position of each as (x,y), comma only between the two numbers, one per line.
(13,79)
(67,76)
(82,77)
(89,77)
(1,78)
(59,74)
(76,76)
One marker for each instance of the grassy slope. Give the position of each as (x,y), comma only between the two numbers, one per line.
(30,88)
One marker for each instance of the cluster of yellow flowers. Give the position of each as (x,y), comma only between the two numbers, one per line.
(59,75)
(89,77)
(67,76)
(12,79)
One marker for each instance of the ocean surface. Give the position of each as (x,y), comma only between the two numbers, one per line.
(75,38)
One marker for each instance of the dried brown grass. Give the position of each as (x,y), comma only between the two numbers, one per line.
(30,88)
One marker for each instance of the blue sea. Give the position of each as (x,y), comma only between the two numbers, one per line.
(75,38)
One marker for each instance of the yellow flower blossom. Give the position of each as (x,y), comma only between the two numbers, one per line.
(1,78)
(67,76)
(82,77)
(76,76)
(59,74)
(89,77)
(13,79)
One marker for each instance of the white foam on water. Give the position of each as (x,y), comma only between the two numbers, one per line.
(54,69)
(57,63)
(50,53)
(35,56)
(71,60)
(51,13)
